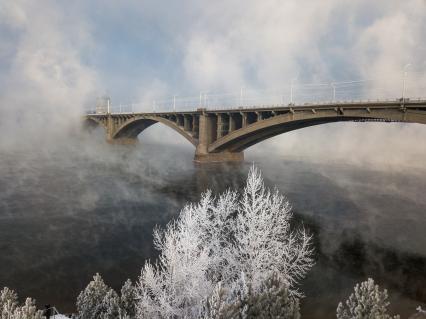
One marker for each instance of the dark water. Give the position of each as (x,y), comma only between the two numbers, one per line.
(65,215)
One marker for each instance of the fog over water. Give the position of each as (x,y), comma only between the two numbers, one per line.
(73,209)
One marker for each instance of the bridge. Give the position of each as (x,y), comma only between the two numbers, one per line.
(222,134)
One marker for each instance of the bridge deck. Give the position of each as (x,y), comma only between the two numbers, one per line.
(223,134)
(397,103)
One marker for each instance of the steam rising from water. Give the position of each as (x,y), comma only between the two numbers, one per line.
(67,216)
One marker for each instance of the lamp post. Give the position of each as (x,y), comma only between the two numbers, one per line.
(404,79)
(291,89)
(203,98)
(174,103)
(333,86)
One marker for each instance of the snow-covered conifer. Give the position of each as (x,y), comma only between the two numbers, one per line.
(232,239)
(127,300)
(11,310)
(110,305)
(95,300)
(27,311)
(271,301)
(366,302)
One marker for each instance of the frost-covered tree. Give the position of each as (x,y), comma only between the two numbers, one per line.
(97,300)
(216,306)
(110,305)
(232,239)
(176,285)
(273,301)
(264,243)
(270,302)
(128,300)
(27,311)
(366,302)
(8,302)
(11,310)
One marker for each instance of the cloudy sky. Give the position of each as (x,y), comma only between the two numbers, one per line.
(57,56)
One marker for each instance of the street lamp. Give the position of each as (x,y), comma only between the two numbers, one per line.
(404,77)
(203,97)
(291,89)
(174,103)
(333,86)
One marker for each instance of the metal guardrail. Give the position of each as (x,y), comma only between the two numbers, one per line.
(358,91)
(268,106)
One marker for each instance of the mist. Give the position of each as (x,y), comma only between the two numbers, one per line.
(55,62)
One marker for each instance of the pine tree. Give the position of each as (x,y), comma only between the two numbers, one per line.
(10,308)
(27,311)
(97,300)
(272,301)
(127,300)
(110,305)
(367,302)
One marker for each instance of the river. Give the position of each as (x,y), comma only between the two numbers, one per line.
(67,215)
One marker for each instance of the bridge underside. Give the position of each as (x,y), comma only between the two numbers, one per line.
(244,141)
(222,136)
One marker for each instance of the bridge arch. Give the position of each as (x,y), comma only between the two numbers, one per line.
(133,127)
(223,135)
(241,139)
(91,123)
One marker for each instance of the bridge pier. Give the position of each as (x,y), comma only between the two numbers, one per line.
(219,157)
(209,127)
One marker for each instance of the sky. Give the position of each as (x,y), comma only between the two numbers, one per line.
(56,57)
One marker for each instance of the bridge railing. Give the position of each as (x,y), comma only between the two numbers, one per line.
(294,94)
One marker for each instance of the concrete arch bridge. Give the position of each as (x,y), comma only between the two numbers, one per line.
(223,135)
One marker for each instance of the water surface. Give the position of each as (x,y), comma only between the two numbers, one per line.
(65,215)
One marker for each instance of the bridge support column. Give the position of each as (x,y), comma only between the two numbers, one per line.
(232,123)
(187,123)
(207,134)
(220,126)
(221,157)
(244,119)
(112,125)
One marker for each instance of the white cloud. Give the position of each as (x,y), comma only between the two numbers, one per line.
(213,45)
(44,75)
(267,43)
